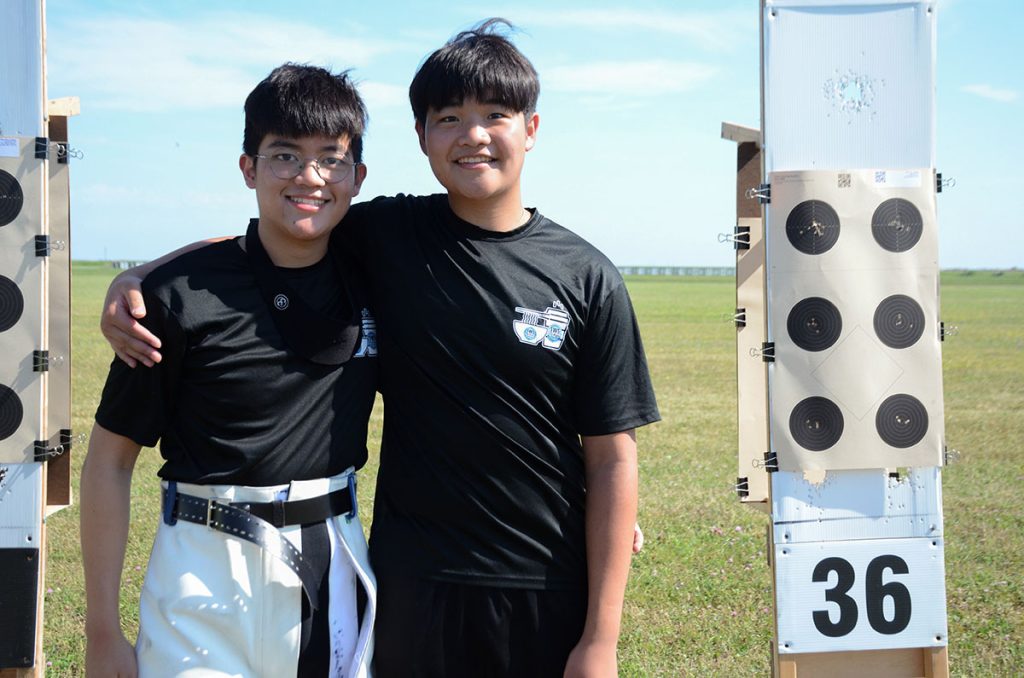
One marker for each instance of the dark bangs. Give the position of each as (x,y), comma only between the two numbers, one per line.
(302,101)
(476,64)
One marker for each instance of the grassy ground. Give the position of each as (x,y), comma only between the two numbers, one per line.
(699,599)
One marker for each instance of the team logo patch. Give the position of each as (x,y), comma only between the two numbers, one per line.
(281,302)
(368,341)
(547,328)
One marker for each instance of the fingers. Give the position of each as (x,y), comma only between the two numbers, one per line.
(136,305)
(131,349)
(638,538)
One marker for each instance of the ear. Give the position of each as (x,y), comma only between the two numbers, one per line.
(422,134)
(360,176)
(532,123)
(247,164)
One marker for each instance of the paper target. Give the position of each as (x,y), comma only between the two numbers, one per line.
(813,227)
(902,420)
(899,321)
(11,198)
(816,423)
(897,225)
(814,324)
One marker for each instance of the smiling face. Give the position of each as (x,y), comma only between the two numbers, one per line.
(476,150)
(297,215)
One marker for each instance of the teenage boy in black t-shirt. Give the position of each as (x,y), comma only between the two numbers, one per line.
(260,404)
(513,378)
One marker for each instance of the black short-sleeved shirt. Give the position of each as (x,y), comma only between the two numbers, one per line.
(498,351)
(230,403)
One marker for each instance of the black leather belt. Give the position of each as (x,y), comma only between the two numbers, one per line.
(258,522)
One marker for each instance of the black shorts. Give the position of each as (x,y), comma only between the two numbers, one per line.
(436,629)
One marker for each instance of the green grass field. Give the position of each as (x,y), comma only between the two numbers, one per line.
(699,600)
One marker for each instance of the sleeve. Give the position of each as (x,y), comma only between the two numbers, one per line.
(137,403)
(352,234)
(612,390)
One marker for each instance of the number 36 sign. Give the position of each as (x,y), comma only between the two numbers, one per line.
(860,595)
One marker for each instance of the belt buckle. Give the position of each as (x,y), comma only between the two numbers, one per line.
(211,504)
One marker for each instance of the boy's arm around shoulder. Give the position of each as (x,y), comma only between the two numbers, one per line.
(105,498)
(610,463)
(123,307)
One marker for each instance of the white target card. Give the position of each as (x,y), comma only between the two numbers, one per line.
(868,594)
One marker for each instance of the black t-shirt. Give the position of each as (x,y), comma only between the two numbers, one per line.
(499,350)
(230,402)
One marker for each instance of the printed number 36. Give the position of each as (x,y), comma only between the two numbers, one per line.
(875,593)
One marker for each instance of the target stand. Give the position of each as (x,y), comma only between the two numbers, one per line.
(35,332)
(846,331)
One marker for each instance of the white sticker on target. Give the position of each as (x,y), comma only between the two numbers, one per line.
(860,595)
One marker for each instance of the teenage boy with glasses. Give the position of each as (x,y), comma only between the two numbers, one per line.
(260,404)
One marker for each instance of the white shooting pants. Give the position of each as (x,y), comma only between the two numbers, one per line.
(215,605)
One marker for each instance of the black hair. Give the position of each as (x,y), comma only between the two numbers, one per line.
(298,100)
(479,64)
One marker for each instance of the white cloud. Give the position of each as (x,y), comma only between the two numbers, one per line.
(989,92)
(712,30)
(633,78)
(211,61)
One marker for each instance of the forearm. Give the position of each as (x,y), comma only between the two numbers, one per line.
(611,473)
(105,510)
(142,270)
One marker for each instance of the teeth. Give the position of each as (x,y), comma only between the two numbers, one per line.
(474,159)
(308,201)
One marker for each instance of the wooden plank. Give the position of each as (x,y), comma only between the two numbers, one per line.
(63,107)
(904,663)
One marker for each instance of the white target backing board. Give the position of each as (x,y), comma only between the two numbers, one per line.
(853,312)
(21,298)
(849,505)
(21,491)
(848,83)
(870,594)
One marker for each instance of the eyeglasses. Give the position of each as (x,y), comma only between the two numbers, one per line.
(331,168)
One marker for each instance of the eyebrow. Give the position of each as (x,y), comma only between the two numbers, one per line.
(291,145)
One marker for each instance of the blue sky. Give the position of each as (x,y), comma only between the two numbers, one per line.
(629,152)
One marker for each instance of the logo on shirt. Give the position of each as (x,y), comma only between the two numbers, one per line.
(281,302)
(547,327)
(368,342)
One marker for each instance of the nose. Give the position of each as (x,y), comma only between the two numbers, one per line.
(475,134)
(310,174)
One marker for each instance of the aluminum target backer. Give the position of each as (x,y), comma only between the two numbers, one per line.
(852,84)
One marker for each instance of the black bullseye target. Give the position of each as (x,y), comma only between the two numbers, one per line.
(11,198)
(899,321)
(816,423)
(11,303)
(11,412)
(813,227)
(897,225)
(814,324)
(902,420)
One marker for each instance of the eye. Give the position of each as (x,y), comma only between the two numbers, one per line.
(498,115)
(285,157)
(331,162)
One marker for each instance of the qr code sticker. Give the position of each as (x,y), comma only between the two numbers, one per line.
(880,177)
(844,180)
